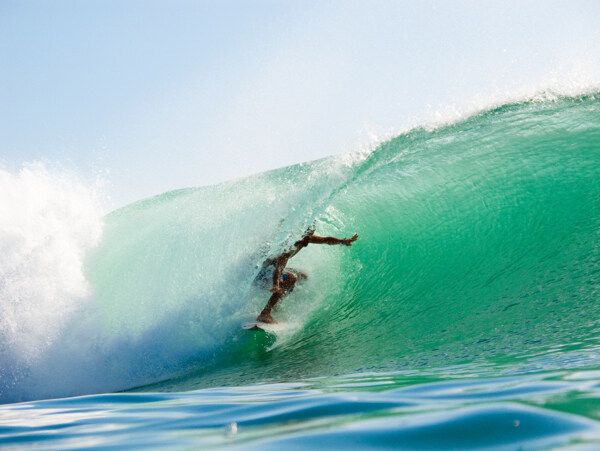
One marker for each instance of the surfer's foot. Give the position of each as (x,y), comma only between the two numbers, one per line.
(266,318)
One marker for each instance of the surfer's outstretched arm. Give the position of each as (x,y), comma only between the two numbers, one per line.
(317,239)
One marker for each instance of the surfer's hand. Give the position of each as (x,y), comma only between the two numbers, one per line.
(276,290)
(349,241)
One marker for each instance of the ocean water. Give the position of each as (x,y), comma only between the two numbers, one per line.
(466,316)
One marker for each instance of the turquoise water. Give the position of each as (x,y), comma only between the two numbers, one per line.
(465,316)
(358,411)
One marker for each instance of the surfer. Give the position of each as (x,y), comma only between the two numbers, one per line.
(284,281)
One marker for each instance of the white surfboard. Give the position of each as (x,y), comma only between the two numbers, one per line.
(263,327)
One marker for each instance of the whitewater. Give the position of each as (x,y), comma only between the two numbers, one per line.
(471,298)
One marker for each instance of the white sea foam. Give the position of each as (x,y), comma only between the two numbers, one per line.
(48,220)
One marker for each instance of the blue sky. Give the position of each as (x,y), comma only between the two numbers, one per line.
(159,95)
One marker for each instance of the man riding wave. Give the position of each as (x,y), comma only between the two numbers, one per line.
(284,281)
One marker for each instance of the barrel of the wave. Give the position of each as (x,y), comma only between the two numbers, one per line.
(479,242)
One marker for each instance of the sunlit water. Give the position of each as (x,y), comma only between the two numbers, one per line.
(465,316)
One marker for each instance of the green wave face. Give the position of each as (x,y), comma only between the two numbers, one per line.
(479,246)
(478,241)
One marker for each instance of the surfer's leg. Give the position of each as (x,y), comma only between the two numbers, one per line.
(265,315)
(286,285)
